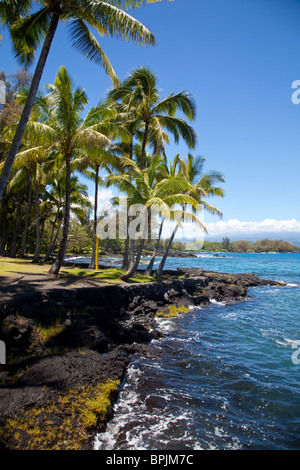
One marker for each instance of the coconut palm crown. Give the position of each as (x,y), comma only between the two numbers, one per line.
(139,93)
(33,24)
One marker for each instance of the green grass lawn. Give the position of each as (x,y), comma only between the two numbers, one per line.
(14,267)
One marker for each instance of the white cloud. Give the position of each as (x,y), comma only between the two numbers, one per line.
(104,197)
(233,226)
(267,225)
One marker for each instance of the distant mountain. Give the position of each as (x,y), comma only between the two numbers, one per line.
(292,237)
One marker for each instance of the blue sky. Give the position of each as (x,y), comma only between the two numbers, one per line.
(238,58)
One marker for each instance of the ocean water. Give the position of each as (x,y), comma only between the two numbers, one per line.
(222,377)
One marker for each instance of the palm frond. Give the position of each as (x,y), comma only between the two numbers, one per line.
(178,127)
(39,132)
(115,22)
(211,209)
(125,186)
(90,139)
(27,156)
(87,44)
(27,34)
(11,10)
(181,101)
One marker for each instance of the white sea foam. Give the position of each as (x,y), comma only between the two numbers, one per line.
(287,342)
(166,324)
(217,302)
(137,423)
(123,409)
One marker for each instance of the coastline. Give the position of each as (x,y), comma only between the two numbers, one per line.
(97,330)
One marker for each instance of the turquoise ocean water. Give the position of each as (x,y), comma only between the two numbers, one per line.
(222,377)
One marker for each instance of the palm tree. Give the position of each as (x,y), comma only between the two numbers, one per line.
(73,136)
(168,172)
(55,196)
(106,118)
(30,27)
(201,185)
(156,118)
(151,192)
(149,120)
(30,161)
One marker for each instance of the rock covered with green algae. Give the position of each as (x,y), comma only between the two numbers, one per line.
(172,311)
(61,401)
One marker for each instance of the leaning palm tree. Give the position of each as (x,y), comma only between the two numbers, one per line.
(167,172)
(151,193)
(34,23)
(201,186)
(157,118)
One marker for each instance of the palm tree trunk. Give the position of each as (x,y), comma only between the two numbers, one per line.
(38,231)
(29,103)
(125,264)
(55,238)
(93,260)
(63,245)
(131,271)
(143,155)
(4,211)
(135,263)
(23,245)
(161,265)
(149,268)
(13,246)
(50,246)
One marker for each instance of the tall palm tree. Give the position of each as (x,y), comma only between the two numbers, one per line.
(73,135)
(55,195)
(201,185)
(34,23)
(31,160)
(156,117)
(131,126)
(105,117)
(149,120)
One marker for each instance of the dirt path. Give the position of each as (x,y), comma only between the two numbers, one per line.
(19,284)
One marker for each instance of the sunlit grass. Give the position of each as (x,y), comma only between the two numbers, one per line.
(16,267)
(13,267)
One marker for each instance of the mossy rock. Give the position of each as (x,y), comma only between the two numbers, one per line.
(66,423)
(172,311)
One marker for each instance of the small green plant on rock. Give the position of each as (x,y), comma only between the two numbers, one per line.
(65,424)
(172,311)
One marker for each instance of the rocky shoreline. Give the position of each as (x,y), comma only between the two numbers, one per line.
(68,350)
